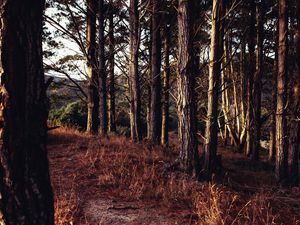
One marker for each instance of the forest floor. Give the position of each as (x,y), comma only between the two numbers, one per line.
(115,181)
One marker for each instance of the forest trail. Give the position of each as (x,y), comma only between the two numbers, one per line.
(113,181)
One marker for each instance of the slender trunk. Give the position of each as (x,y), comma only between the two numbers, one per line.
(134,83)
(216,52)
(93,95)
(111,73)
(257,80)
(102,73)
(272,141)
(149,85)
(281,138)
(251,71)
(155,109)
(189,156)
(243,92)
(295,126)
(166,78)
(26,193)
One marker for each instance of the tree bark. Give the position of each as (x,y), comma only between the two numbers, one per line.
(134,83)
(272,141)
(250,76)
(103,125)
(26,193)
(189,156)
(216,52)
(111,72)
(166,86)
(295,126)
(281,132)
(155,108)
(93,95)
(258,80)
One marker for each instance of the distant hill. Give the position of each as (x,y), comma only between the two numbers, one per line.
(62,91)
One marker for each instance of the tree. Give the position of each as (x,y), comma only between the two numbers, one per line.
(295,126)
(155,107)
(93,81)
(166,80)
(258,80)
(281,125)
(26,193)
(216,53)
(189,156)
(102,73)
(250,77)
(111,71)
(134,80)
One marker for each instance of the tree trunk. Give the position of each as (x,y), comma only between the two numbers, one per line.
(281,138)
(134,83)
(257,80)
(295,126)
(102,73)
(216,52)
(93,95)
(111,72)
(250,76)
(166,86)
(272,141)
(189,156)
(155,108)
(26,193)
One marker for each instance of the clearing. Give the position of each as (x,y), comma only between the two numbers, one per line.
(115,181)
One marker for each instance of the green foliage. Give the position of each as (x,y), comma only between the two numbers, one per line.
(74,114)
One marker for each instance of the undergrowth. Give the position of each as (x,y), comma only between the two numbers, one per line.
(134,171)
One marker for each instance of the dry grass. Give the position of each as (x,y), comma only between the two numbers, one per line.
(84,168)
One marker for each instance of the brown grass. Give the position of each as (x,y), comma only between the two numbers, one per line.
(86,168)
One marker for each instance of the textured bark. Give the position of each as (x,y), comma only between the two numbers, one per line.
(93,95)
(272,141)
(216,52)
(111,73)
(26,193)
(188,146)
(155,108)
(250,76)
(166,86)
(134,86)
(281,133)
(103,125)
(295,126)
(258,80)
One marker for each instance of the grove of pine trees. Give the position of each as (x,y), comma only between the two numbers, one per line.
(227,72)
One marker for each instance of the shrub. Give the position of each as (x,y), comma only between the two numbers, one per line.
(74,115)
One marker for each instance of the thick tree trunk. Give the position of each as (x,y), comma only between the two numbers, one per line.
(102,74)
(111,73)
(155,108)
(250,76)
(295,126)
(258,80)
(166,79)
(189,156)
(216,52)
(134,83)
(93,95)
(26,193)
(281,133)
